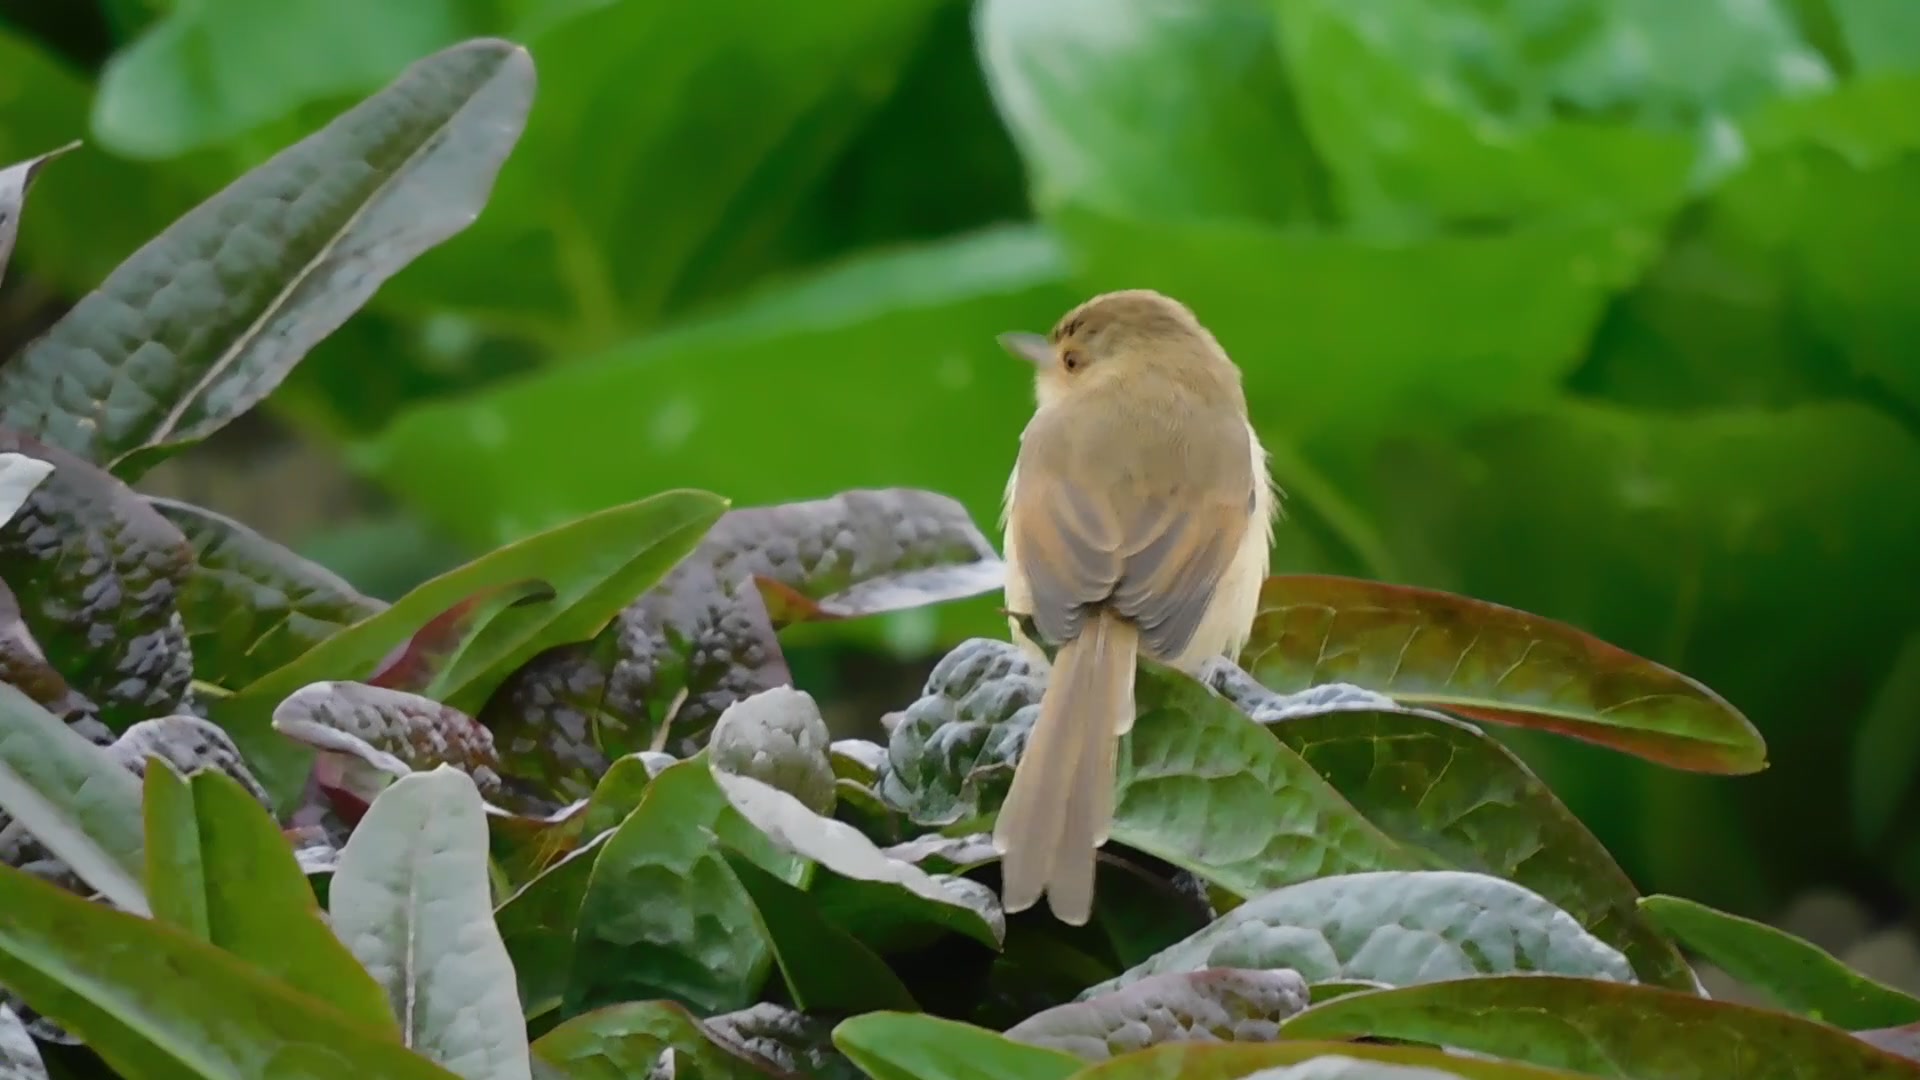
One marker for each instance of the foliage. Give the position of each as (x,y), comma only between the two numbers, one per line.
(561,812)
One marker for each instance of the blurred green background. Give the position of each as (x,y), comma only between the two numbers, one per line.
(1609,310)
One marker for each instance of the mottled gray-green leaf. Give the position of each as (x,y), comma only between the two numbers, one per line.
(1213,1005)
(362,731)
(189,744)
(19,1057)
(251,605)
(24,666)
(203,322)
(410,897)
(97,574)
(19,475)
(793,1041)
(1399,928)
(705,637)
(778,738)
(644,1039)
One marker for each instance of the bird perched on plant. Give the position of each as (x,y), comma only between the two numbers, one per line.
(1139,518)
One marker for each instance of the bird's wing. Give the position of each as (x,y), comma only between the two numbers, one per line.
(1152,552)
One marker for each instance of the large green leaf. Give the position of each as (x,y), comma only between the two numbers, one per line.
(1398,928)
(1466,113)
(624,1041)
(826,969)
(914,329)
(116,980)
(537,923)
(204,73)
(1795,973)
(596,565)
(1220,1003)
(1603,1029)
(915,1046)
(219,868)
(250,605)
(410,897)
(73,797)
(1363,1061)
(1425,647)
(204,321)
(1213,134)
(1440,786)
(97,572)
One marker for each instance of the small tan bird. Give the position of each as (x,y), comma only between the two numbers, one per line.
(1139,518)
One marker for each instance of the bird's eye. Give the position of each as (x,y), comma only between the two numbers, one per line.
(1070,359)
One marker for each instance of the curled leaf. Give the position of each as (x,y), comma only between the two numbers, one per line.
(189,744)
(1224,1004)
(777,737)
(633,1038)
(1488,662)
(793,1041)
(369,736)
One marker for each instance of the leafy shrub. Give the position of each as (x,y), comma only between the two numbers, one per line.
(559,813)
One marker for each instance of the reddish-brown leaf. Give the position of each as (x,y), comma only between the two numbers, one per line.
(416,663)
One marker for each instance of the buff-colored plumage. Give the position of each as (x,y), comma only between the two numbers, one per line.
(1139,517)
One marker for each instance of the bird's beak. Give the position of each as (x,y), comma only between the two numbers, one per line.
(1029,347)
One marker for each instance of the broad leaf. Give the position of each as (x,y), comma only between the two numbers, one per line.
(24,666)
(115,980)
(411,899)
(74,799)
(1794,973)
(15,180)
(1396,928)
(367,736)
(1225,1004)
(623,1041)
(594,561)
(219,868)
(915,1046)
(1426,647)
(1317,1061)
(205,321)
(673,661)
(97,574)
(19,475)
(425,662)
(1603,1029)
(251,605)
(537,924)
(825,968)
(794,1042)
(778,738)
(189,744)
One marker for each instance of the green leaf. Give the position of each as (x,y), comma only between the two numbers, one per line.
(825,968)
(1398,928)
(596,563)
(204,321)
(1482,660)
(624,1041)
(562,442)
(205,73)
(914,1046)
(1215,1004)
(250,605)
(697,939)
(1465,113)
(1794,973)
(1603,1029)
(1440,786)
(1200,784)
(97,572)
(424,663)
(1880,35)
(1220,103)
(1230,1061)
(219,868)
(73,798)
(19,1056)
(537,925)
(411,899)
(778,738)
(795,1042)
(15,181)
(676,658)
(115,980)
(1886,748)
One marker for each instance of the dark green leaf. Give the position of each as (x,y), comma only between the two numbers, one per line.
(823,966)
(537,924)
(15,180)
(591,563)
(795,1042)
(1361,1061)
(1886,748)
(251,605)
(1794,973)
(73,798)
(423,663)
(621,1042)
(97,572)
(411,899)
(1220,103)
(204,321)
(674,660)
(1427,647)
(24,666)
(778,738)
(365,737)
(1224,1004)
(1441,786)
(914,1046)
(115,980)
(1400,928)
(1604,1029)
(219,868)
(697,938)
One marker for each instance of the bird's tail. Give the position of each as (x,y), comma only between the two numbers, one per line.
(1061,805)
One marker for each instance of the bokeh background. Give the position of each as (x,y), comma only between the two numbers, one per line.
(1605,309)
